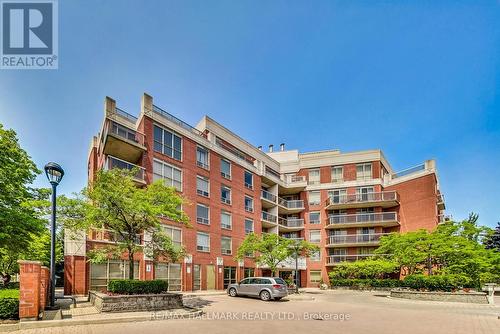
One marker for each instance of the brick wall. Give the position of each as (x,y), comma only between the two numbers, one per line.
(33,289)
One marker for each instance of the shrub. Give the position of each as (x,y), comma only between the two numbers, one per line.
(366,283)
(367,269)
(436,282)
(137,287)
(9,304)
(10,285)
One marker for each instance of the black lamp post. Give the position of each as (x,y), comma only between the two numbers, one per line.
(54,173)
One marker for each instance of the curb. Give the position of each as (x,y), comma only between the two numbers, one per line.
(79,322)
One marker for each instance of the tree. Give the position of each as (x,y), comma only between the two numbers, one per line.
(132,215)
(493,239)
(271,249)
(19,221)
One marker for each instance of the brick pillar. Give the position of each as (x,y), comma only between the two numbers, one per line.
(44,286)
(75,275)
(148,275)
(29,289)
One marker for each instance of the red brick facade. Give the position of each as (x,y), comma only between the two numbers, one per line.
(33,289)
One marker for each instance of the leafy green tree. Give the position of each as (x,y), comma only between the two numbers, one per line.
(19,221)
(493,239)
(271,249)
(114,202)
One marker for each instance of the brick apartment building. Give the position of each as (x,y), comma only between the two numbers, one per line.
(344,202)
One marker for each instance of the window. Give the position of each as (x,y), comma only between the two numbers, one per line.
(338,196)
(314,198)
(202,157)
(364,171)
(172,176)
(315,236)
(226,245)
(248,204)
(315,256)
(225,194)
(248,226)
(337,174)
(202,214)
(248,180)
(175,234)
(101,273)
(314,217)
(248,272)
(225,220)
(315,276)
(314,177)
(167,142)
(225,169)
(229,276)
(202,242)
(202,186)
(170,272)
(364,194)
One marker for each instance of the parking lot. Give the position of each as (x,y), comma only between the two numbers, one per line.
(330,312)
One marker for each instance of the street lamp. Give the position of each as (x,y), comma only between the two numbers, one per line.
(55,174)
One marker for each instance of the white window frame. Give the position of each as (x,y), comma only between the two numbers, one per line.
(247,185)
(310,276)
(365,174)
(337,180)
(314,181)
(201,192)
(313,240)
(224,226)
(200,163)
(202,220)
(171,177)
(224,200)
(224,175)
(315,256)
(309,197)
(171,234)
(245,226)
(249,209)
(226,251)
(200,248)
(315,221)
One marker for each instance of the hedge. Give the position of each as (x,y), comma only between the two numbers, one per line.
(137,287)
(9,304)
(436,282)
(366,283)
(10,285)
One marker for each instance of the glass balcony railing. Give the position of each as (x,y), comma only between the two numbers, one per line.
(333,259)
(355,239)
(113,162)
(269,217)
(378,217)
(291,222)
(268,196)
(291,204)
(384,196)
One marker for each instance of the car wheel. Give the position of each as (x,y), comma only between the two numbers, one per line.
(265,295)
(232,292)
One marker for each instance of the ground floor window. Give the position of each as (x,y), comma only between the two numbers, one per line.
(101,273)
(229,276)
(171,272)
(196,277)
(315,276)
(248,272)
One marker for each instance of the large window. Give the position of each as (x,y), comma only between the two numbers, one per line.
(248,226)
(315,256)
(101,273)
(202,214)
(338,196)
(248,272)
(226,245)
(202,157)
(202,186)
(248,204)
(314,176)
(170,272)
(225,168)
(315,236)
(175,234)
(364,171)
(248,180)
(314,217)
(225,195)
(337,174)
(167,142)
(315,276)
(225,220)
(172,176)
(203,242)
(314,197)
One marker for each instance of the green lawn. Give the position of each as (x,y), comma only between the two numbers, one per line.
(9,293)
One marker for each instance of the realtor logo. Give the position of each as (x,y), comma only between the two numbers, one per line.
(29,34)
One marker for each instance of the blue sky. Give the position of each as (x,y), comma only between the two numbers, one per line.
(418,79)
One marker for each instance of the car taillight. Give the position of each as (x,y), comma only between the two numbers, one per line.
(276,286)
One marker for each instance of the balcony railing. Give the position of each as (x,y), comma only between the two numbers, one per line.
(291,179)
(362,198)
(105,235)
(177,121)
(293,238)
(113,162)
(125,133)
(268,196)
(269,217)
(291,222)
(354,238)
(333,259)
(363,218)
(291,204)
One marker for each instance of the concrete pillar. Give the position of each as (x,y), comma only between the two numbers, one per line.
(146,104)
(109,106)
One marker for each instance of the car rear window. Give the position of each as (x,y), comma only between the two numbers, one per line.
(280,281)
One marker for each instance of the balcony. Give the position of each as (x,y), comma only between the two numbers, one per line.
(113,162)
(336,259)
(290,206)
(293,238)
(268,200)
(384,219)
(354,240)
(385,199)
(268,220)
(290,224)
(440,201)
(293,184)
(122,142)
(109,236)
